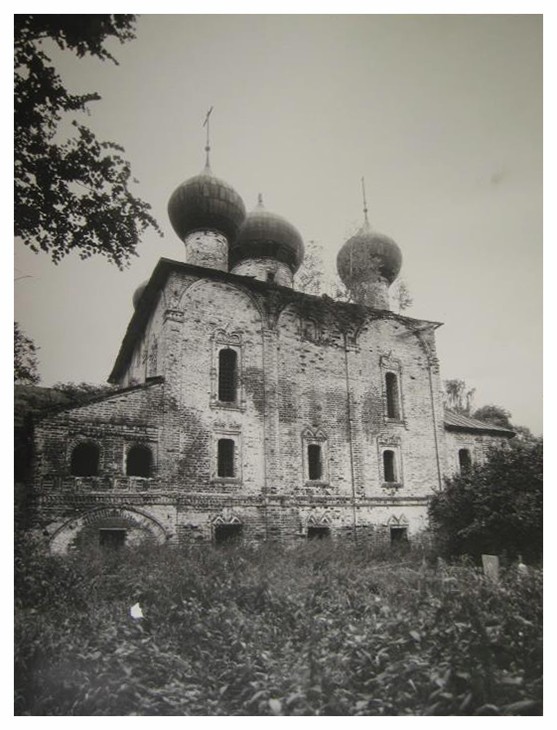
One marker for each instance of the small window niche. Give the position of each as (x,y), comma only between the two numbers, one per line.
(139,462)
(112,538)
(85,460)
(389,466)
(228,376)
(225,459)
(315,458)
(392,394)
(318,532)
(399,536)
(228,534)
(464,461)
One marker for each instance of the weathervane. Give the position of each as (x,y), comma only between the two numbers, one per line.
(207,145)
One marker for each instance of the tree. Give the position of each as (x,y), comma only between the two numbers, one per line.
(494,414)
(25,358)
(73,193)
(494,507)
(456,396)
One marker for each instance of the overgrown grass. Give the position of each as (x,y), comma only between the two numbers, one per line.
(317,629)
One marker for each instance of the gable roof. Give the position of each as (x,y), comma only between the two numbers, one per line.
(457,422)
(148,300)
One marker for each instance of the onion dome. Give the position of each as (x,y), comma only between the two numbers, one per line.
(368,256)
(138,293)
(206,202)
(267,235)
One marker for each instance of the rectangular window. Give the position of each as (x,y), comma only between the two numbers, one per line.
(393,401)
(315,469)
(399,535)
(112,538)
(228,377)
(389,466)
(225,458)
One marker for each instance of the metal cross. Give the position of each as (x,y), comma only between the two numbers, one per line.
(207,146)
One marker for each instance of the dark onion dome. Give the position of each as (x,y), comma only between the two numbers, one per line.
(267,235)
(366,255)
(206,202)
(138,293)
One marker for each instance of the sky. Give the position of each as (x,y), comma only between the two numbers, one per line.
(442,114)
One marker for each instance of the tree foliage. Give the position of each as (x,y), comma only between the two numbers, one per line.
(494,414)
(25,358)
(73,193)
(494,507)
(457,397)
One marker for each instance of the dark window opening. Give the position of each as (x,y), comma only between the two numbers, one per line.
(389,469)
(318,533)
(228,365)
(225,467)
(227,533)
(270,276)
(85,460)
(391,385)
(464,461)
(315,469)
(399,535)
(138,462)
(112,538)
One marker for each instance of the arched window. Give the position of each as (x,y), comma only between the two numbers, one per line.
(315,468)
(225,458)
(389,466)
(228,375)
(85,460)
(139,462)
(464,461)
(393,403)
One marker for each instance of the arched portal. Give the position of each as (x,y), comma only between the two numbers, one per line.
(107,527)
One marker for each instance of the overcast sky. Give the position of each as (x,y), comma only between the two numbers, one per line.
(443,116)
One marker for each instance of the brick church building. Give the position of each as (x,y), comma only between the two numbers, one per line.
(245,408)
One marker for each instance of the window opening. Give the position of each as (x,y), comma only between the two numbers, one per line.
(391,385)
(270,276)
(464,461)
(138,462)
(315,470)
(227,533)
(112,538)
(399,535)
(85,460)
(225,466)
(228,365)
(316,532)
(389,470)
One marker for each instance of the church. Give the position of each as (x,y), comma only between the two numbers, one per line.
(247,410)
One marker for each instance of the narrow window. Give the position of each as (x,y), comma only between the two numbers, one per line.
(399,535)
(227,533)
(270,276)
(391,386)
(464,461)
(228,364)
(315,470)
(138,462)
(318,532)
(112,538)
(389,467)
(225,467)
(85,460)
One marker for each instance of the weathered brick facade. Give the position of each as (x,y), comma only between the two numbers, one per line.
(252,407)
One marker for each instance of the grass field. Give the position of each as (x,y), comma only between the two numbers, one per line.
(318,629)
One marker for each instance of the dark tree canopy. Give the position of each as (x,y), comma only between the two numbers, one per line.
(494,414)
(495,507)
(71,194)
(25,358)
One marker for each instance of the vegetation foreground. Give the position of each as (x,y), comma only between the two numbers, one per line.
(319,629)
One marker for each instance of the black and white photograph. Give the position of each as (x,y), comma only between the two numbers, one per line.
(278,436)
